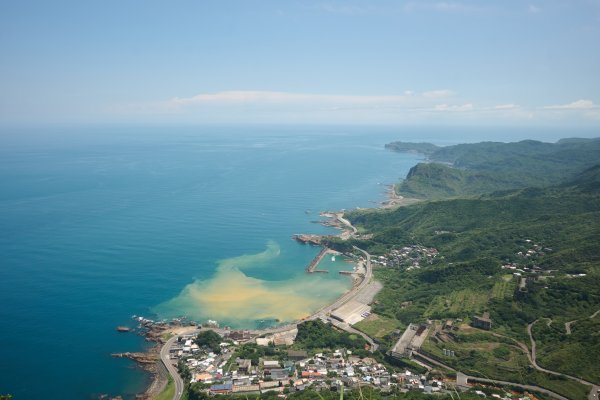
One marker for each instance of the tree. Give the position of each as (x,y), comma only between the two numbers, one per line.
(210,339)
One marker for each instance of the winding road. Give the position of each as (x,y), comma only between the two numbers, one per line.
(165,357)
(593,395)
(462,379)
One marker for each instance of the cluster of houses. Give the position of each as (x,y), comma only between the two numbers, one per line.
(293,371)
(528,273)
(534,250)
(409,257)
(330,371)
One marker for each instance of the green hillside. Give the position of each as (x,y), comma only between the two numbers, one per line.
(471,169)
(551,234)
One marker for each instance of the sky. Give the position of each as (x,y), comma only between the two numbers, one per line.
(326,62)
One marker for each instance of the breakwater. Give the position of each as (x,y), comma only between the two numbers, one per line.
(312,267)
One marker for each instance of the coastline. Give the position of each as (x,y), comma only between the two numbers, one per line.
(159,333)
(150,361)
(396,200)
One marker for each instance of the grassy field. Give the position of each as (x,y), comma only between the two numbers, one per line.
(168,392)
(466,301)
(377,326)
(503,289)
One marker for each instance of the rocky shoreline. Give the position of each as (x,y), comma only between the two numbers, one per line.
(149,360)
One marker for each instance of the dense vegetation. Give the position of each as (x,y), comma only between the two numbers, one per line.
(254,352)
(471,169)
(406,147)
(475,236)
(483,228)
(318,335)
(210,339)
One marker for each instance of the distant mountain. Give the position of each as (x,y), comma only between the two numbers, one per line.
(472,169)
(406,147)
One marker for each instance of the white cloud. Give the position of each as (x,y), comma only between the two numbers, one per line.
(240,97)
(534,9)
(576,105)
(437,94)
(454,107)
(441,105)
(505,107)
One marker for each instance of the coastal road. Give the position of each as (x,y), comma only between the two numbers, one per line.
(322,313)
(165,357)
(350,295)
(340,217)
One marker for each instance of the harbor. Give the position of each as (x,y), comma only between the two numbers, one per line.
(313,266)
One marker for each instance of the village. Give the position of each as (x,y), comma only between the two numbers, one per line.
(219,370)
(287,371)
(408,257)
(222,361)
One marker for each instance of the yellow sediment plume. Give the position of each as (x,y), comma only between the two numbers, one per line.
(232,295)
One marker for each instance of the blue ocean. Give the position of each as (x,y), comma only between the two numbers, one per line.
(100,223)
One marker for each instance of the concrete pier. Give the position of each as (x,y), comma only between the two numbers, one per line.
(313,264)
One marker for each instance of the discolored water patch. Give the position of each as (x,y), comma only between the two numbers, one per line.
(238,300)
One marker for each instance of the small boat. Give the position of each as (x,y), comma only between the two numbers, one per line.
(332,258)
(123,329)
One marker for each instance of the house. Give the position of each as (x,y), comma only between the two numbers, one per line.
(280,374)
(204,377)
(244,365)
(239,335)
(225,388)
(311,374)
(483,322)
(297,354)
(246,389)
(268,385)
(270,364)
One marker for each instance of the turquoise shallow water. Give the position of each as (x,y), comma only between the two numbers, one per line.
(102,223)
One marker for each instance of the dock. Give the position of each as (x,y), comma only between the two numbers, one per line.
(313,264)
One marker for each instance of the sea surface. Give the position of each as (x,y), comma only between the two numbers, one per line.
(100,223)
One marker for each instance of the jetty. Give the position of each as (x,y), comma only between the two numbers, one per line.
(315,262)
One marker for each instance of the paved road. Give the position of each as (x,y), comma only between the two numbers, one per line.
(363,284)
(462,379)
(593,395)
(528,387)
(166,360)
(568,324)
(350,329)
(340,217)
